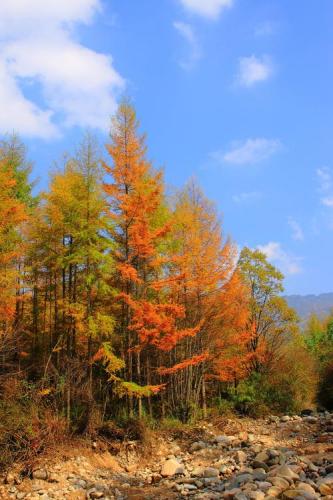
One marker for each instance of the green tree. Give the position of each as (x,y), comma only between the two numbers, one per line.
(271,320)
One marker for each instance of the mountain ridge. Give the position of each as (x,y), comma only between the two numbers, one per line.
(305,305)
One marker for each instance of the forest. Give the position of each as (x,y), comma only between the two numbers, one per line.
(122,300)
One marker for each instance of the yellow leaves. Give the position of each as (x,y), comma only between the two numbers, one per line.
(12,215)
(112,363)
(100,324)
(45,392)
(132,389)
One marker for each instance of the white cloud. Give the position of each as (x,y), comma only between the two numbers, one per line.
(249,151)
(252,70)
(186,31)
(77,86)
(328,201)
(325,178)
(297,231)
(207,8)
(20,114)
(288,263)
(246,197)
(24,14)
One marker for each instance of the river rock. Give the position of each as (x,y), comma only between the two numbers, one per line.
(171,467)
(285,472)
(40,474)
(198,445)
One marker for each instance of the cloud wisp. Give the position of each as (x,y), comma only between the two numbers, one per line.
(253,70)
(210,9)
(195,53)
(250,151)
(289,264)
(71,84)
(296,230)
(325,179)
(247,197)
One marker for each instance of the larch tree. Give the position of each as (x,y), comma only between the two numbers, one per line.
(147,318)
(202,265)
(13,156)
(71,273)
(12,215)
(232,359)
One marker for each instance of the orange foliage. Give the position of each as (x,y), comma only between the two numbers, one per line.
(12,214)
(151,316)
(232,358)
(195,360)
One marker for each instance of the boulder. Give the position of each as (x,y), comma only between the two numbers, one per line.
(40,474)
(171,467)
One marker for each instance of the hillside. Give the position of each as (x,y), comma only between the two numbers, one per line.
(306,304)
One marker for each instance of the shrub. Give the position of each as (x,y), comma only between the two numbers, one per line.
(27,423)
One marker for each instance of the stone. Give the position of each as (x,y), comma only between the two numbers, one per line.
(285,418)
(306,487)
(259,475)
(279,482)
(325,489)
(211,472)
(198,445)
(298,493)
(96,494)
(310,420)
(273,491)
(223,440)
(171,467)
(262,457)
(256,464)
(198,472)
(240,456)
(327,480)
(231,493)
(240,496)
(210,480)
(40,474)
(189,486)
(256,495)
(244,478)
(284,471)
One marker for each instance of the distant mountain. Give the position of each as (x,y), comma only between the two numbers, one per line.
(321,304)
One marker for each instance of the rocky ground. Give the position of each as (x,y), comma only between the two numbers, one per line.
(277,457)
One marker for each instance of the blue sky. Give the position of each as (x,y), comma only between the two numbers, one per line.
(237,93)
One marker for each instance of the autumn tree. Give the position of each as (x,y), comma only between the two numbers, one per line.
(271,320)
(231,357)
(13,156)
(201,267)
(146,315)
(12,215)
(71,268)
